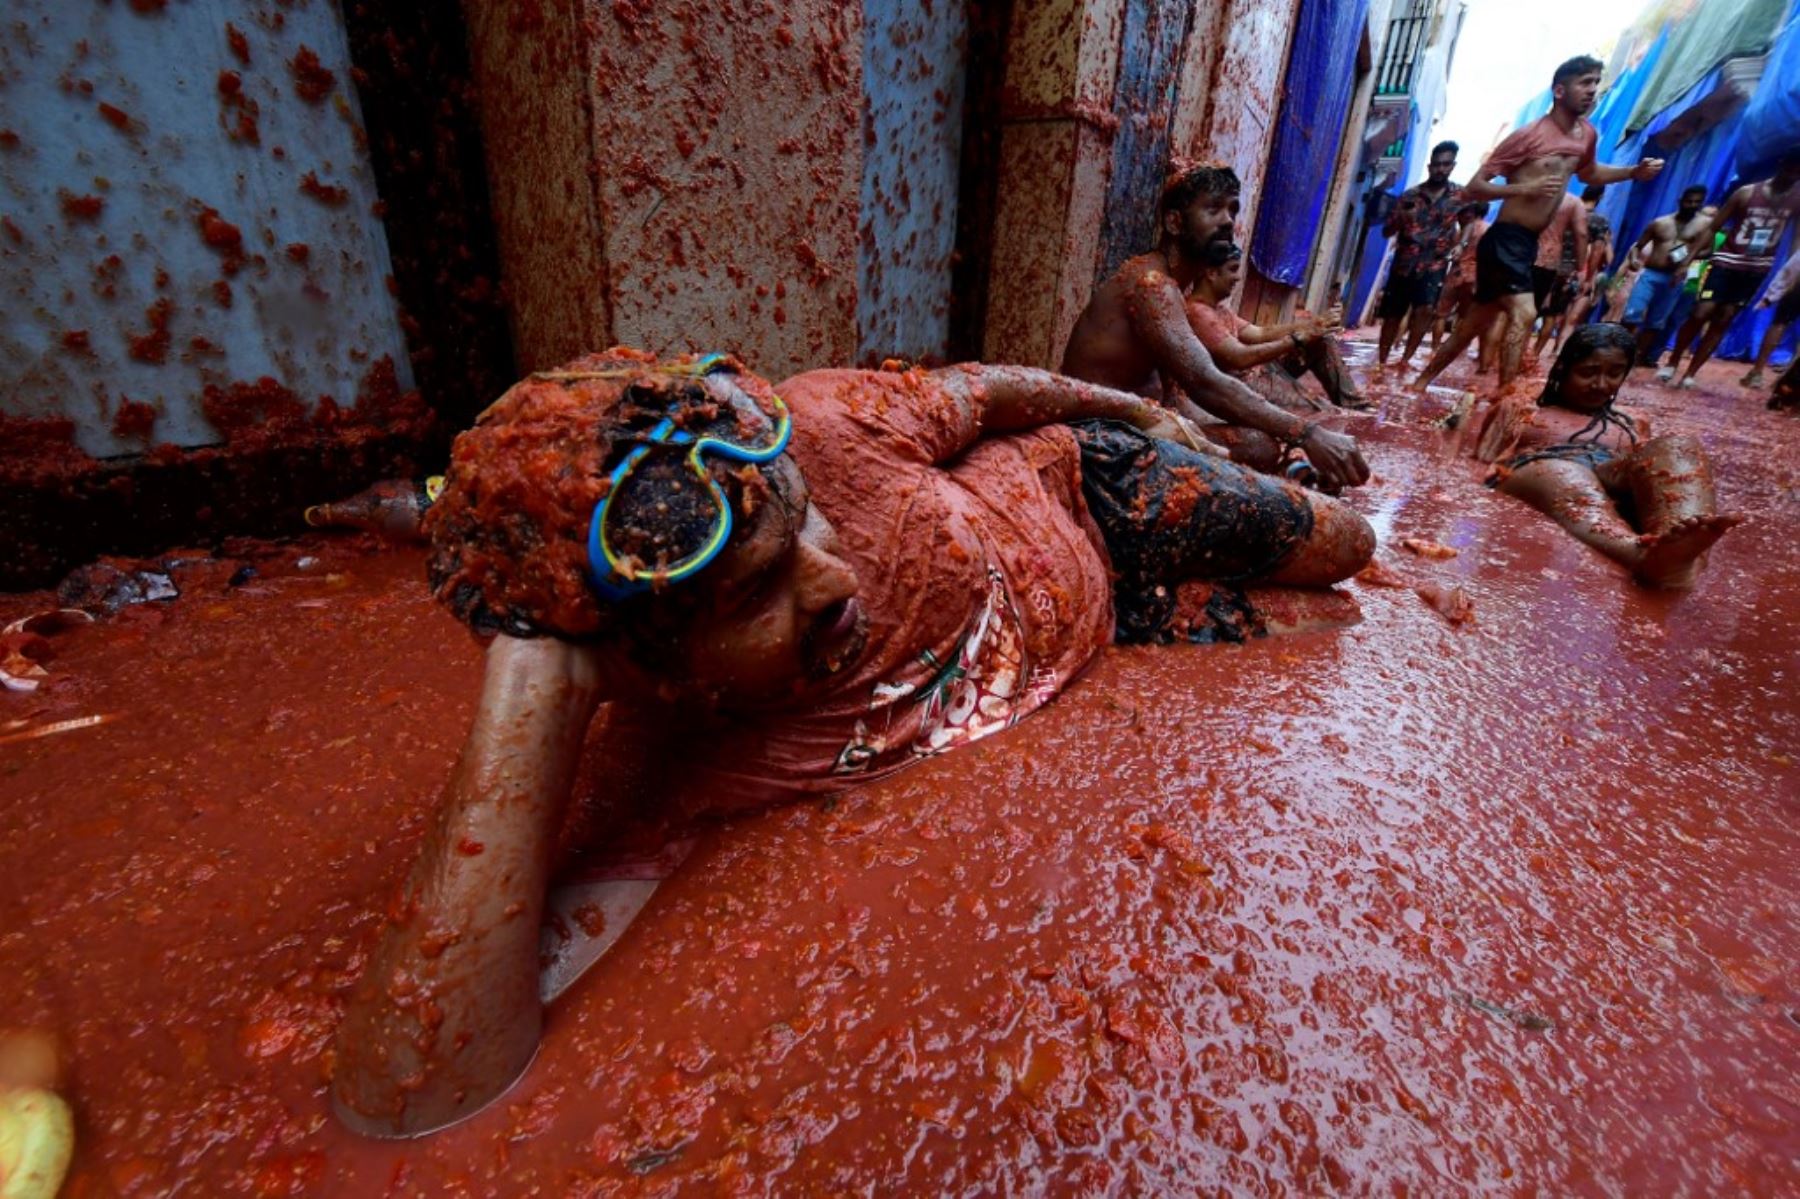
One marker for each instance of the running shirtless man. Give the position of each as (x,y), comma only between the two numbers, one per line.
(1537,162)
(1134,336)
(1757,214)
(1666,249)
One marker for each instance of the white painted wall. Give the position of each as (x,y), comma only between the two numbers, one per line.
(315,327)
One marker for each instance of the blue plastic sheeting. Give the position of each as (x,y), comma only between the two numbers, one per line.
(1320,79)
(1772,119)
(1374,251)
(1712,161)
(1706,36)
(1716,159)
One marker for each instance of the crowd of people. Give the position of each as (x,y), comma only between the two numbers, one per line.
(1549,259)
(821,581)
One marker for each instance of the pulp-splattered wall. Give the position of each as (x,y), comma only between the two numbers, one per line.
(1244,94)
(188,208)
(676,175)
(914,70)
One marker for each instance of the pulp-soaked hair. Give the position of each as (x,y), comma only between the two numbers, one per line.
(1190,183)
(509,531)
(1575,68)
(1442,147)
(1581,345)
(1695,189)
(1219,253)
(1593,191)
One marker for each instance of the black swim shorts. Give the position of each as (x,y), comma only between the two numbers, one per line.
(1170,514)
(1403,293)
(1730,285)
(1582,453)
(1503,261)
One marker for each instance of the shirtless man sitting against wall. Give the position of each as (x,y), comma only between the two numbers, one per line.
(1134,336)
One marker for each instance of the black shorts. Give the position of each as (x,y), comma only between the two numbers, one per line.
(1787,308)
(1503,261)
(1406,292)
(1169,514)
(1543,286)
(1552,291)
(1730,285)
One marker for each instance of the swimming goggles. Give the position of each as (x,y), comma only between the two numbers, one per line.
(617,576)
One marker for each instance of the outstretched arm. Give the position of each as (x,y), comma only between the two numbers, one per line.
(1159,320)
(1730,211)
(1642,171)
(1024,397)
(447,1013)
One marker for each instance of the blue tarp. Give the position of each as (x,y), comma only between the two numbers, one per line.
(1320,78)
(1772,119)
(1716,159)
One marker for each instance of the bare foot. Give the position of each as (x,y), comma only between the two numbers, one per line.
(1672,558)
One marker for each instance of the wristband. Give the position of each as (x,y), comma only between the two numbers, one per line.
(1306,430)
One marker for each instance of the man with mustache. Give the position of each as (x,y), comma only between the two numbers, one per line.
(1134,336)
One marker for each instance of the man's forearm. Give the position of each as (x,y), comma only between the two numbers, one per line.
(1231,401)
(1602,172)
(1024,397)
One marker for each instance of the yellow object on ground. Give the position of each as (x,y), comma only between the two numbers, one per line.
(37,1135)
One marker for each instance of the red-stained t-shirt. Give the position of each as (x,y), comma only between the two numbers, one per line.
(1544,138)
(986,584)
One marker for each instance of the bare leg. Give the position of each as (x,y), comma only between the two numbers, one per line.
(1390,325)
(1649,345)
(1465,332)
(1690,329)
(1341,543)
(1521,310)
(1771,338)
(1715,333)
(1418,320)
(1552,327)
(1573,496)
(1491,336)
(447,1013)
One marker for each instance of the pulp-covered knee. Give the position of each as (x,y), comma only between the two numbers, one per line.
(1255,449)
(1341,543)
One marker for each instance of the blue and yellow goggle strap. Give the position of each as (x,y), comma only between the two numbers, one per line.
(611,576)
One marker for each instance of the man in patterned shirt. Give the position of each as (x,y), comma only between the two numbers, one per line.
(1423,226)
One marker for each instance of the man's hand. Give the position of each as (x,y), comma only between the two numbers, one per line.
(1548,188)
(1333,320)
(1336,458)
(1646,170)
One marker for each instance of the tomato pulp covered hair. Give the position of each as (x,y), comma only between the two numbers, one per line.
(509,534)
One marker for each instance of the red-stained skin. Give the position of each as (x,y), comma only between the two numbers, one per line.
(1292,914)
